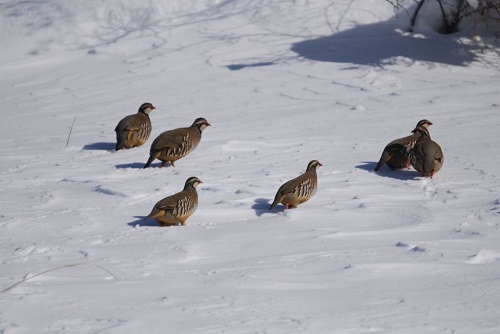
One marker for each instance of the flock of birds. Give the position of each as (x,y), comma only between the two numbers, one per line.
(417,150)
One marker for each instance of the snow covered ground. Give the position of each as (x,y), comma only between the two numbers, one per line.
(282,83)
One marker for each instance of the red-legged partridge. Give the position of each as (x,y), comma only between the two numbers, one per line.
(300,189)
(134,130)
(172,145)
(397,153)
(176,209)
(426,156)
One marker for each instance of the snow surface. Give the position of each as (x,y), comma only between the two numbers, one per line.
(282,83)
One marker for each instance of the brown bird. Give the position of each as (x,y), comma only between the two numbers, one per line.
(397,153)
(300,189)
(134,130)
(172,145)
(426,156)
(176,209)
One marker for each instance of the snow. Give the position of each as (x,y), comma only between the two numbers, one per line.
(281,83)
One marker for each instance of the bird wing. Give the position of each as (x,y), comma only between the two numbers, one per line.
(402,143)
(306,188)
(168,203)
(301,186)
(130,123)
(169,140)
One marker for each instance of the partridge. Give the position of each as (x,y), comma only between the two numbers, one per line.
(134,130)
(397,153)
(176,209)
(300,189)
(172,145)
(426,156)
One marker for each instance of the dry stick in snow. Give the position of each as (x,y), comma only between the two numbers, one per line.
(70,130)
(53,269)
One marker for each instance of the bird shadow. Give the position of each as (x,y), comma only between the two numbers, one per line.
(143,223)
(167,165)
(400,174)
(100,146)
(368,166)
(139,165)
(262,205)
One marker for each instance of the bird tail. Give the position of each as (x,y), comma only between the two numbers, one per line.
(383,159)
(153,214)
(277,199)
(121,138)
(152,157)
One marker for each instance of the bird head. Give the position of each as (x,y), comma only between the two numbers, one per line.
(313,165)
(424,123)
(146,108)
(193,181)
(200,123)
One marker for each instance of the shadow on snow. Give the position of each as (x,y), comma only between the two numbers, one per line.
(235,67)
(384,171)
(379,43)
(262,205)
(100,146)
(141,222)
(138,165)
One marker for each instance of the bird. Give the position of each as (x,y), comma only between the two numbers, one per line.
(300,189)
(134,130)
(172,145)
(426,156)
(397,153)
(177,208)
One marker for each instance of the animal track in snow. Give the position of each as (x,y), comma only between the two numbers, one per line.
(496,207)
(80,325)
(410,248)
(107,191)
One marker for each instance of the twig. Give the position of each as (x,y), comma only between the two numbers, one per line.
(61,267)
(70,130)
